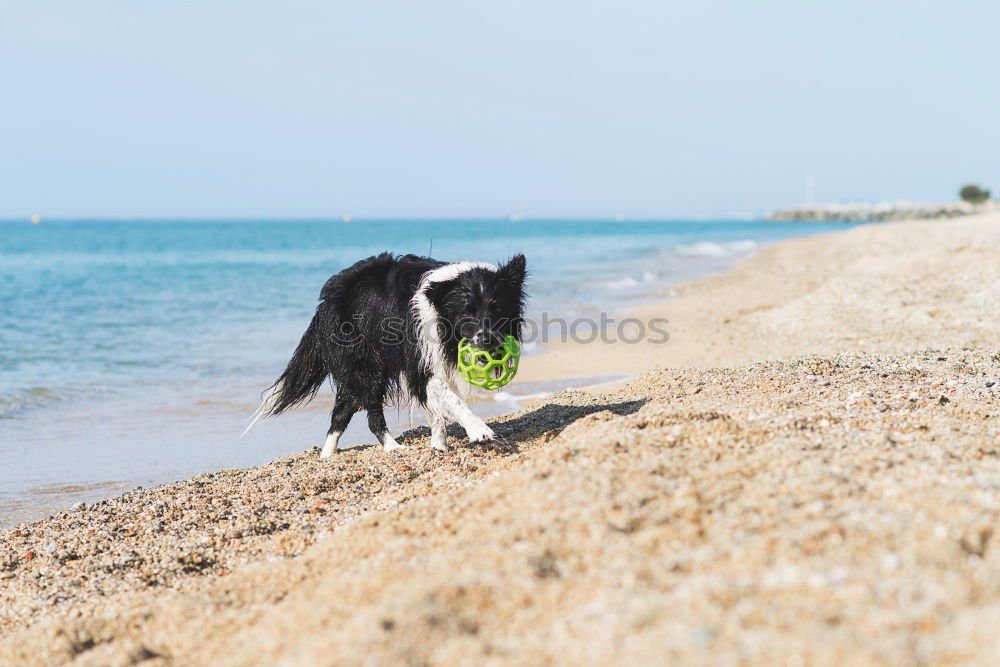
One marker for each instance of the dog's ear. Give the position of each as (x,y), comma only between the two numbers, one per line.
(513,272)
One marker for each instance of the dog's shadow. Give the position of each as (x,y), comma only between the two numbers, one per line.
(548,419)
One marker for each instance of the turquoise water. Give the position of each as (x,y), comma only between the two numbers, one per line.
(131,352)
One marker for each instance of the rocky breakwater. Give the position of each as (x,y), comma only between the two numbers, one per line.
(882,211)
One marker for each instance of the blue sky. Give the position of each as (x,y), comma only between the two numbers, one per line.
(649,109)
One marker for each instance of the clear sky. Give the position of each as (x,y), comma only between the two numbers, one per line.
(543,107)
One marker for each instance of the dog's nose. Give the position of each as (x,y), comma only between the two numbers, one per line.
(485,340)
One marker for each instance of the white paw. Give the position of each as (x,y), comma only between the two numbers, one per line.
(330,446)
(390,444)
(440,443)
(480,432)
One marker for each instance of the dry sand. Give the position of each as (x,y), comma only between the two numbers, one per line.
(834,503)
(889,287)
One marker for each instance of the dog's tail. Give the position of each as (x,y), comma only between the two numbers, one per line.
(300,380)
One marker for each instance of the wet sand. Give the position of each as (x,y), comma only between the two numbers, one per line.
(808,472)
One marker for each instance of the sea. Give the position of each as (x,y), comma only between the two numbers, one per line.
(133,353)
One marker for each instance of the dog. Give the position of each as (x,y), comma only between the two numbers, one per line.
(387,330)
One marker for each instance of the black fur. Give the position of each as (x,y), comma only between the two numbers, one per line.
(364,335)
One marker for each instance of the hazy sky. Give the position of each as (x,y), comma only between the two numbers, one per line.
(550,108)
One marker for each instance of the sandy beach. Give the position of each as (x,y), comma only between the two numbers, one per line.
(807,472)
(888,287)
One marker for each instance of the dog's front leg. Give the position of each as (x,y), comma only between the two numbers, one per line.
(443,401)
(439,430)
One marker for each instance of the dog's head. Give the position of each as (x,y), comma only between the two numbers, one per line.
(481,304)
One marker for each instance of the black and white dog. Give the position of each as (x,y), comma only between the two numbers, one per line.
(387,331)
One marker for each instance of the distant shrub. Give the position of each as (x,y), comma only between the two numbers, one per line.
(974,194)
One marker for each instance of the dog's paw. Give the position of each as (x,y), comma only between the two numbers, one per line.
(331,445)
(390,444)
(439,441)
(480,433)
(493,440)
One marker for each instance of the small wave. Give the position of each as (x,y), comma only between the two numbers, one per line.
(629,282)
(713,249)
(18,400)
(507,397)
(621,283)
(15,401)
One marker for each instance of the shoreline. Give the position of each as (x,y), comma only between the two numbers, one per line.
(807,468)
(728,318)
(20,502)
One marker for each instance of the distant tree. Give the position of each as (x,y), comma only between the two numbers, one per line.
(974,194)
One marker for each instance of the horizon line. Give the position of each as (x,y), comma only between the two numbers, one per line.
(381,218)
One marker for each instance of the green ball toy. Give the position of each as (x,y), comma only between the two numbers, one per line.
(488,369)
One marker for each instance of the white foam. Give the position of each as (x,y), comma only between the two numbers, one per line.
(621,283)
(713,249)
(507,397)
(628,282)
